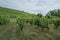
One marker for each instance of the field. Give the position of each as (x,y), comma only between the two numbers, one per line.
(18,25)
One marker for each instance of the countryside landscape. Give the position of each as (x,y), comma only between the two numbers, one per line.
(29,19)
(20,25)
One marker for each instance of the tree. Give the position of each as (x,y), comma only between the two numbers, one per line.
(39,15)
(55,12)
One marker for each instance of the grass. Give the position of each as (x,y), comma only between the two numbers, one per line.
(11,30)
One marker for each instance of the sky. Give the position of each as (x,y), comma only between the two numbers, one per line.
(31,6)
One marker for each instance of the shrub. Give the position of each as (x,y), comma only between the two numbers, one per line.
(42,22)
(56,22)
(21,23)
(3,19)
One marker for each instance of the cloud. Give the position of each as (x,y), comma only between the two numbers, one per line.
(32,6)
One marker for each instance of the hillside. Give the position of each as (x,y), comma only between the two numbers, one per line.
(12,12)
(12,29)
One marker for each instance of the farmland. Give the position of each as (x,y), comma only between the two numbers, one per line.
(20,25)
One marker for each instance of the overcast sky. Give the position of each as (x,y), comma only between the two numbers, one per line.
(32,6)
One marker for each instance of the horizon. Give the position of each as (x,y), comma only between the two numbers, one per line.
(31,6)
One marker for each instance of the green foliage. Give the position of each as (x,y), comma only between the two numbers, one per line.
(55,12)
(37,22)
(56,22)
(21,22)
(44,22)
(15,30)
(4,19)
(39,15)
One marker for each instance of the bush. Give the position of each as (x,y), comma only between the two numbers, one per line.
(56,22)
(42,22)
(3,19)
(21,23)
(37,22)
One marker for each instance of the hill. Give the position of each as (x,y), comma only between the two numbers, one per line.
(12,30)
(13,12)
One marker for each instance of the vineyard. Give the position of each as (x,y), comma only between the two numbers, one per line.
(20,25)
